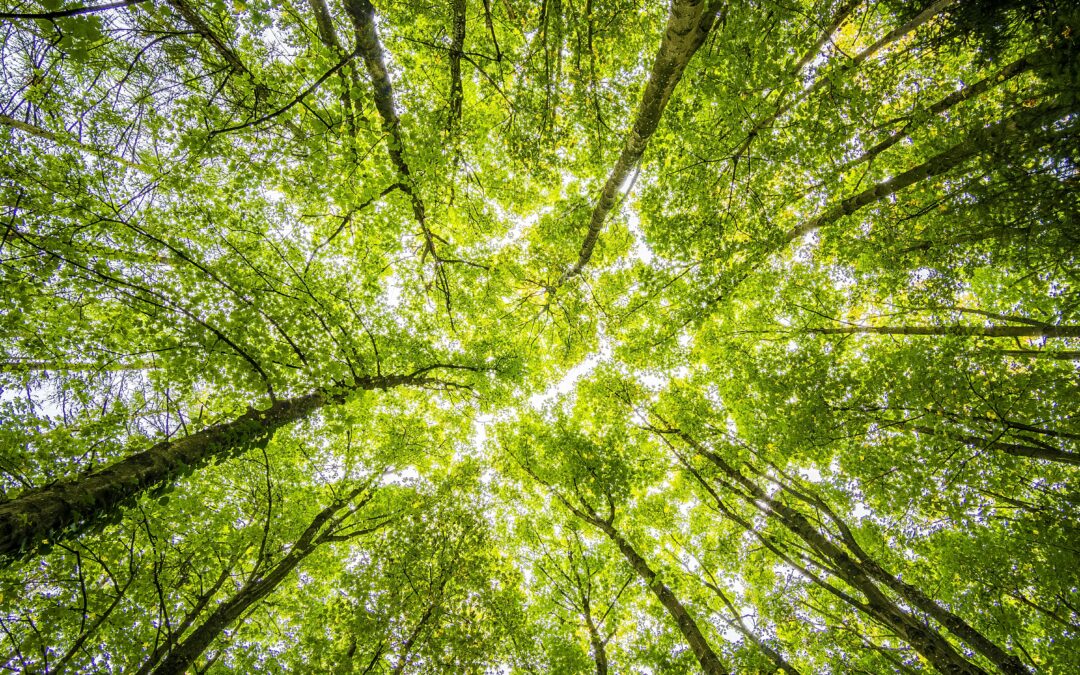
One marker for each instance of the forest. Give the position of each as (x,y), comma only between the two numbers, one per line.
(540,336)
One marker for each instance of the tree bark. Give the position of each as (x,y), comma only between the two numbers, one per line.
(61,139)
(187,652)
(1027,123)
(689,23)
(861,574)
(965,331)
(1041,354)
(195,20)
(371,50)
(456,47)
(1007,73)
(1048,453)
(710,662)
(821,81)
(196,610)
(45,513)
(351,79)
(48,513)
(599,651)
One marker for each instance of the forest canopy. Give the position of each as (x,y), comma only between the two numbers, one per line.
(527,336)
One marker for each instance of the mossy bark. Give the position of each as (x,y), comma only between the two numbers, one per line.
(39,516)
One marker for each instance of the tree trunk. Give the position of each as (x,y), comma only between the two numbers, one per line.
(860,574)
(1028,122)
(194,613)
(1041,354)
(1007,73)
(1048,453)
(195,20)
(966,331)
(710,662)
(822,81)
(689,23)
(599,651)
(879,607)
(456,47)
(44,514)
(351,80)
(912,595)
(188,651)
(362,13)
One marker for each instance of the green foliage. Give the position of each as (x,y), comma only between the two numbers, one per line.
(818,377)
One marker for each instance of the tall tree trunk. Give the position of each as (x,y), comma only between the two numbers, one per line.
(1021,65)
(48,513)
(879,607)
(689,23)
(45,513)
(1048,453)
(196,610)
(362,13)
(351,80)
(739,625)
(860,571)
(911,594)
(64,139)
(710,662)
(967,331)
(806,92)
(318,532)
(195,20)
(596,641)
(1027,125)
(457,45)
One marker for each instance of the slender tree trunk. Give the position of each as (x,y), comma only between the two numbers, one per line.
(1005,662)
(45,513)
(967,331)
(195,20)
(861,574)
(909,593)
(599,650)
(456,47)
(50,512)
(1026,124)
(710,662)
(689,23)
(876,604)
(928,642)
(1021,65)
(196,610)
(59,139)
(329,37)
(371,50)
(414,635)
(1041,354)
(739,625)
(362,13)
(821,81)
(318,532)
(1016,449)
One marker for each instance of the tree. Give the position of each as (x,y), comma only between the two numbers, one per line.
(539,336)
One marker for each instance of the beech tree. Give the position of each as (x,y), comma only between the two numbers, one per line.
(539,336)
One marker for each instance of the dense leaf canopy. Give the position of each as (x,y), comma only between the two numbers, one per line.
(539,336)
